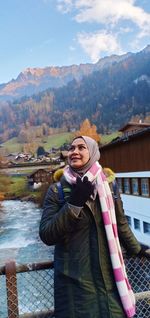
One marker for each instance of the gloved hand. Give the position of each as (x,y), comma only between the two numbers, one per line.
(144,253)
(81,192)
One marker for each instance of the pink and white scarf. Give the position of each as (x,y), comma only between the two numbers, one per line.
(96,174)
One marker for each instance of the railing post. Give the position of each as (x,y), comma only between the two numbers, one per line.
(11,285)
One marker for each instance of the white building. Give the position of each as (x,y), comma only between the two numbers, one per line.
(135,194)
(129,157)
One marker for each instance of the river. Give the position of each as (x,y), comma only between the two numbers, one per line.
(19,238)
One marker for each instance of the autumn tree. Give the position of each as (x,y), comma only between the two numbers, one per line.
(147,119)
(5,183)
(45,129)
(39,131)
(3,158)
(24,136)
(30,147)
(86,129)
(3,178)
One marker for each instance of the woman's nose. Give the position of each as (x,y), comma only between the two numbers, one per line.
(75,150)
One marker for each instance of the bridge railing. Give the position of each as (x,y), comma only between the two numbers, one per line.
(27,290)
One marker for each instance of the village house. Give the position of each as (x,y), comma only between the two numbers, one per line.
(129,157)
(39,177)
(132,127)
(22,157)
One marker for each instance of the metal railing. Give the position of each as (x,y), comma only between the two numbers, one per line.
(26,291)
(138,271)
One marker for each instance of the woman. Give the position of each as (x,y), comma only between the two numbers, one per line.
(90,279)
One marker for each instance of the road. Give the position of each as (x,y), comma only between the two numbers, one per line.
(22,170)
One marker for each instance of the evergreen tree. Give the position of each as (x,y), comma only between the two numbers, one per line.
(40,151)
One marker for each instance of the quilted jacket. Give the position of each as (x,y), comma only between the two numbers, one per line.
(84,285)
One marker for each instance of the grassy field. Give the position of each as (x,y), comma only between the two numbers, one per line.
(56,140)
(17,188)
(13,187)
(107,138)
(12,145)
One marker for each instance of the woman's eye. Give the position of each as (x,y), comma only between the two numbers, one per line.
(71,148)
(81,147)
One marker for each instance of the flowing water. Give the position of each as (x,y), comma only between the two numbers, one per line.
(19,238)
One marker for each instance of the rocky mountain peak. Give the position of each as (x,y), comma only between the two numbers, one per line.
(34,80)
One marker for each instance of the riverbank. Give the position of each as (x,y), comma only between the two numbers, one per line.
(16,188)
(19,239)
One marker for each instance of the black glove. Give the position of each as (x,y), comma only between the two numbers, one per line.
(81,192)
(144,253)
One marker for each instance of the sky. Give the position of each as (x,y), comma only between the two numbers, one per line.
(41,33)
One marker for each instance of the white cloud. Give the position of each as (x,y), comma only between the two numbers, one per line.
(125,30)
(118,21)
(108,12)
(64,6)
(96,43)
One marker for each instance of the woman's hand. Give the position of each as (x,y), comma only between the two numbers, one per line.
(144,253)
(81,192)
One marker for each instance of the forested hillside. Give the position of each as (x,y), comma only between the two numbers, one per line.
(109,98)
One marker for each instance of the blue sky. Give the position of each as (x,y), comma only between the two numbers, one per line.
(40,33)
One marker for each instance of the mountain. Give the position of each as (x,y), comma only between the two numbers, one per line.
(34,80)
(108,93)
(109,97)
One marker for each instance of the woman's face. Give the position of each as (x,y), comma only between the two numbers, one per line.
(78,154)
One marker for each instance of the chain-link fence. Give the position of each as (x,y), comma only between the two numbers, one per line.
(27,290)
(138,271)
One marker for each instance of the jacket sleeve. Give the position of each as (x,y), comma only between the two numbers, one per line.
(126,236)
(57,220)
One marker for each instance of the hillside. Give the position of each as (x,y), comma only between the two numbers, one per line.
(56,140)
(109,97)
(34,80)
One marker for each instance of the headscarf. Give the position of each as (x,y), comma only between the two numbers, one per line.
(94,154)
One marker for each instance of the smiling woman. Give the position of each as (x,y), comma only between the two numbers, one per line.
(78,153)
(90,278)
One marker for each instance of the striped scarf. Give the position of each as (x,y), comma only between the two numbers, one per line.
(109,219)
